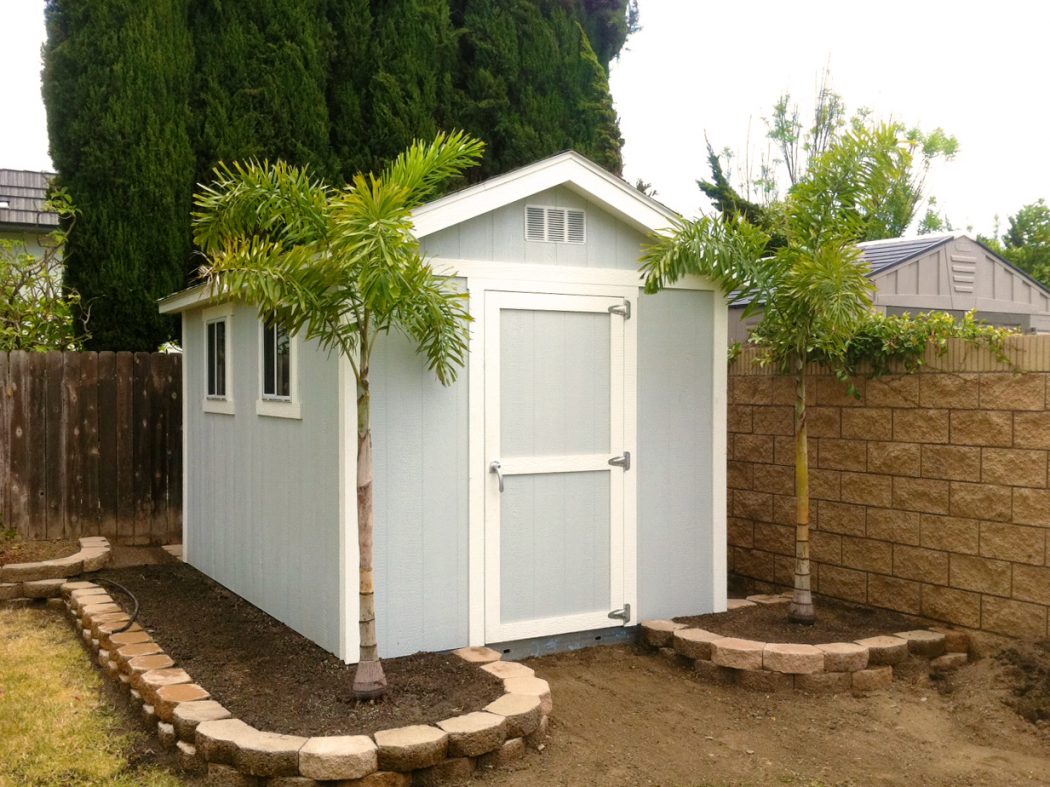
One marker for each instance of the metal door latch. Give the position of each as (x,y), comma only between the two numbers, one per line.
(623,309)
(622,614)
(496,467)
(622,461)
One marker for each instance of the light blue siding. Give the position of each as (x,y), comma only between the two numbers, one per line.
(674,453)
(499,236)
(263,493)
(421,514)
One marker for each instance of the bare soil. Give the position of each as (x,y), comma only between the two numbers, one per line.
(1027,667)
(627,717)
(837,621)
(16,550)
(277,680)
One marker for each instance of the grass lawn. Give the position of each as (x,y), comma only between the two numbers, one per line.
(56,728)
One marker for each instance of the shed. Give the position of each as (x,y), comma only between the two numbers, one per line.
(950,273)
(24,218)
(605,407)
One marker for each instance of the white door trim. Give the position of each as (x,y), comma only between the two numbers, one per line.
(487,298)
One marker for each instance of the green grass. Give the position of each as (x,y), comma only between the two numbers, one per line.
(55,728)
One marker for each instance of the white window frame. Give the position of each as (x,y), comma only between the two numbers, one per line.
(223,405)
(270,405)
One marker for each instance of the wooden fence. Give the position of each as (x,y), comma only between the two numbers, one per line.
(91,444)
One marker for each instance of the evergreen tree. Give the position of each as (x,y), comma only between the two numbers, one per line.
(349,72)
(261,82)
(116,88)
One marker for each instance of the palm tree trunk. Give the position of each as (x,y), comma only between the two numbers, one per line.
(369,680)
(802,602)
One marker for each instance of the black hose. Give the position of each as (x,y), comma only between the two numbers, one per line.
(131,595)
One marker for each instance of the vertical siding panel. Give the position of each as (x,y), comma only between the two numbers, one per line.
(124,448)
(55,448)
(107,444)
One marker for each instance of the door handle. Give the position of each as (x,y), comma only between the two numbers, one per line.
(496,467)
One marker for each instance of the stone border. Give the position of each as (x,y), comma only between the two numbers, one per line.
(861,666)
(44,578)
(209,741)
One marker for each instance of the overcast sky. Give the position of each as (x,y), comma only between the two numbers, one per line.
(980,72)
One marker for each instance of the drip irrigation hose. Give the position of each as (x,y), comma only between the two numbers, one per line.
(130,595)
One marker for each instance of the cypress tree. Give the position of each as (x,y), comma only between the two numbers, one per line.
(261,82)
(116,89)
(350,68)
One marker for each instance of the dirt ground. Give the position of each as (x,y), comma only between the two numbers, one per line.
(277,680)
(623,717)
(15,550)
(837,621)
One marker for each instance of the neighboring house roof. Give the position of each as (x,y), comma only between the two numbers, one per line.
(568,169)
(22,197)
(884,254)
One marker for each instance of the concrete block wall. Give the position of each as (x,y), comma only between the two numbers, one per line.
(929,493)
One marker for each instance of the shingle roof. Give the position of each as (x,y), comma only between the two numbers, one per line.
(884,254)
(22,196)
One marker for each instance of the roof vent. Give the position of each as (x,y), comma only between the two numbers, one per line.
(555,225)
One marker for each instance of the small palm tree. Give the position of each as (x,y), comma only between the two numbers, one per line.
(813,294)
(341,265)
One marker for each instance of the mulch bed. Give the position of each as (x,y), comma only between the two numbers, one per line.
(277,680)
(837,621)
(15,550)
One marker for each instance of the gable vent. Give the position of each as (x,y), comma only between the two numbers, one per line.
(555,225)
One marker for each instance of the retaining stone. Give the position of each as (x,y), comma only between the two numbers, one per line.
(219,739)
(765,681)
(792,659)
(923,642)
(125,653)
(78,584)
(694,643)
(139,664)
(68,566)
(825,682)
(534,687)
(268,753)
(220,775)
(42,588)
(338,757)
(149,682)
(511,750)
(55,603)
(844,656)
(716,674)
(186,756)
(955,641)
(95,559)
(474,733)
(949,662)
(188,715)
(169,697)
(166,734)
(538,737)
(410,748)
(659,633)
(115,620)
(90,610)
(298,781)
(453,771)
(885,650)
(737,653)
(767,599)
(107,631)
(521,711)
(29,572)
(738,603)
(508,669)
(382,779)
(10,590)
(873,679)
(130,637)
(477,655)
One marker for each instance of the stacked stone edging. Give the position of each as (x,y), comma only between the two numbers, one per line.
(44,578)
(863,665)
(209,741)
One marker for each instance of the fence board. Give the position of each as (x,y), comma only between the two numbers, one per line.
(91,444)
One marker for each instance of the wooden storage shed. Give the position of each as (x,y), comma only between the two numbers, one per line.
(602,408)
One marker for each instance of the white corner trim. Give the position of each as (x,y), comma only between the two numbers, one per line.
(185,448)
(349,635)
(477,474)
(719,441)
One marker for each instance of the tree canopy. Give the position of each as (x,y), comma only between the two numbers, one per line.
(1026,242)
(144,99)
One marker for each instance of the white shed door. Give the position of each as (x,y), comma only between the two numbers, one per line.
(554,505)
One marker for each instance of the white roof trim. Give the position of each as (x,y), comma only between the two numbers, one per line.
(565,169)
(568,169)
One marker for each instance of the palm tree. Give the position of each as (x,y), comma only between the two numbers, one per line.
(343,266)
(813,292)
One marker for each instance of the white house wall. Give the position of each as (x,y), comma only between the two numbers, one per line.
(262,512)
(676,558)
(421,508)
(499,236)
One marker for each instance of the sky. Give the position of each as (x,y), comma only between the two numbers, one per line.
(716,68)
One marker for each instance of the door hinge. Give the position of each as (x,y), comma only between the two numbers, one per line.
(622,614)
(623,309)
(622,461)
